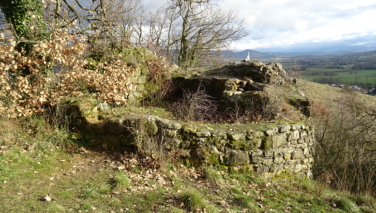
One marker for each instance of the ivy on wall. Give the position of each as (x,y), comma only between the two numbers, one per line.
(26,17)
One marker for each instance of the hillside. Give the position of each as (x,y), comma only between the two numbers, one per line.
(327,94)
(47,167)
(37,176)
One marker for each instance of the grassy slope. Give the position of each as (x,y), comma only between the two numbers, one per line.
(90,181)
(328,94)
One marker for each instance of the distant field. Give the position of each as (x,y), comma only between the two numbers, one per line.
(339,76)
(321,70)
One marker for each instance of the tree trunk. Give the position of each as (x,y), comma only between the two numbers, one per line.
(25,17)
(184,41)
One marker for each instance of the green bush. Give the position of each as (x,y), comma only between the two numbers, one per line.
(192,200)
(347,205)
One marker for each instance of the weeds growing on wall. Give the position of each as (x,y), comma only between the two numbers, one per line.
(159,82)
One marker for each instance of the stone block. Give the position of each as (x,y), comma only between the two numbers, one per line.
(271,131)
(303,134)
(172,143)
(164,123)
(296,126)
(278,140)
(298,168)
(257,159)
(268,154)
(275,168)
(201,140)
(288,167)
(297,154)
(286,155)
(295,135)
(256,152)
(278,153)
(268,162)
(237,157)
(203,134)
(267,143)
(306,151)
(290,162)
(283,128)
(170,133)
(237,136)
(189,128)
(278,160)
(309,174)
(256,143)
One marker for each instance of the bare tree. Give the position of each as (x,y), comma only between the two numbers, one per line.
(187,30)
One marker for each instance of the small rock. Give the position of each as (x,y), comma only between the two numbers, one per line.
(203,134)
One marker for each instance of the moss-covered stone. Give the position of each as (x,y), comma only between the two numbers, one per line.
(151,128)
(189,128)
(237,157)
(267,143)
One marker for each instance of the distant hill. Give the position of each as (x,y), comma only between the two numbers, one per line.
(240,55)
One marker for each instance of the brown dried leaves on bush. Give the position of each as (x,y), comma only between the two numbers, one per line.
(28,82)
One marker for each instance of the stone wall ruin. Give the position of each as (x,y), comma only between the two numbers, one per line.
(267,149)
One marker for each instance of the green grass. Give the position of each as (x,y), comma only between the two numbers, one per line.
(98,187)
(162,112)
(321,70)
(343,77)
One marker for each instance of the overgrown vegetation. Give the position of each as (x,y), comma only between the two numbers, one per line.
(345,132)
(98,182)
(41,156)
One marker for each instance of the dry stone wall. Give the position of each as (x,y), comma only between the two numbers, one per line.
(269,149)
(265,149)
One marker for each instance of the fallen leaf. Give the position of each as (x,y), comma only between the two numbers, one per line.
(82,149)
(47,198)
(122,167)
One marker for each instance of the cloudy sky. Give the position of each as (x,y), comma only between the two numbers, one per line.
(302,25)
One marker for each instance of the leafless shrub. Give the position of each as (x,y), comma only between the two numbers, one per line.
(346,145)
(149,143)
(195,106)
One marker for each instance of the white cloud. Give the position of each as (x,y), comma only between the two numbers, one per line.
(279,23)
(286,22)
